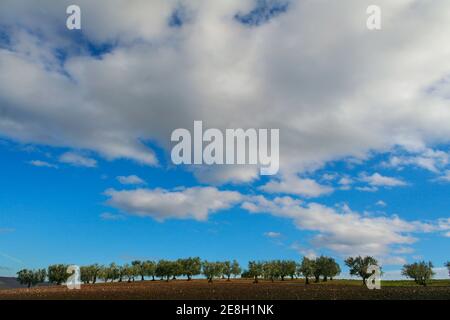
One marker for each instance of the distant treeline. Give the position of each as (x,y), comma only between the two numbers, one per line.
(325,268)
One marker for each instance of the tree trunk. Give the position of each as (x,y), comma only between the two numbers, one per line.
(306,280)
(142,277)
(153,278)
(325,278)
(256,279)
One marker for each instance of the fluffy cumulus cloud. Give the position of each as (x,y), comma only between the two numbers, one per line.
(378,180)
(272,234)
(342,230)
(40,163)
(432,160)
(298,186)
(77,160)
(137,73)
(191,203)
(312,69)
(130,180)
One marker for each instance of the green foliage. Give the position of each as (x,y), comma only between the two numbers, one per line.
(57,273)
(89,274)
(329,268)
(307,268)
(358,266)
(149,268)
(103,273)
(165,269)
(255,270)
(113,272)
(212,270)
(129,272)
(421,272)
(31,277)
(235,268)
(288,268)
(271,269)
(226,269)
(138,268)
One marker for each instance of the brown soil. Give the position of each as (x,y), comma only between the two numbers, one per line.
(224,290)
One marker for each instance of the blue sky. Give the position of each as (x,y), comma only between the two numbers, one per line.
(55,215)
(86,118)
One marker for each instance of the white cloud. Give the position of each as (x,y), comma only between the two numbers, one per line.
(345,183)
(297,186)
(429,159)
(272,234)
(77,160)
(304,251)
(132,179)
(40,163)
(321,90)
(381,203)
(191,203)
(377,180)
(445,177)
(403,250)
(393,261)
(226,174)
(340,229)
(367,189)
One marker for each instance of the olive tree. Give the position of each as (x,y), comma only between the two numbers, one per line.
(149,269)
(287,268)
(31,277)
(113,272)
(138,267)
(235,269)
(227,269)
(255,270)
(421,272)
(271,269)
(57,273)
(128,272)
(212,270)
(329,268)
(307,268)
(359,265)
(190,267)
(166,269)
(89,274)
(103,273)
